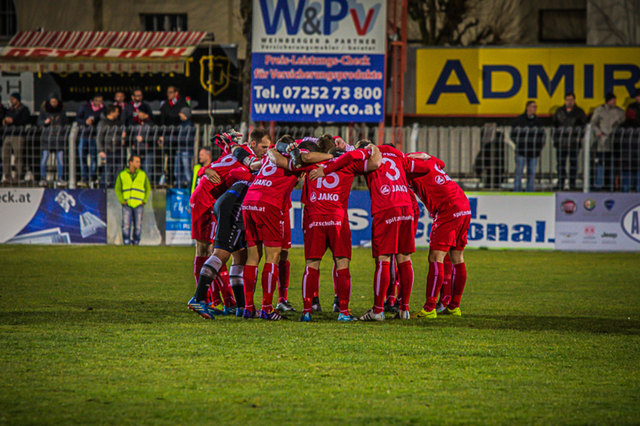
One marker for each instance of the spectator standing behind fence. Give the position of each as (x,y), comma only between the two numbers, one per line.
(184,149)
(120,102)
(16,117)
(130,115)
(632,115)
(132,189)
(110,144)
(52,120)
(606,118)
(143,144)
(87,118)
(569,121)
(528,135)
(170,115)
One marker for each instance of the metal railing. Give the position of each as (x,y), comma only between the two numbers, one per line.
(486,157)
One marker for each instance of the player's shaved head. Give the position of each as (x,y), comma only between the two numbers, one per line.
(325,143)
(363,143)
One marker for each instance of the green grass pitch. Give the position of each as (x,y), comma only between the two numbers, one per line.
(103,335)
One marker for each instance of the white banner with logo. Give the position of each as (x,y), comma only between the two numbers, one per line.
(597,222)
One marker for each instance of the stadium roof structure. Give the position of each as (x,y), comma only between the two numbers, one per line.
(99,51)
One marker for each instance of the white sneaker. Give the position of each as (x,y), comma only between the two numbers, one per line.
(440,308)
(403,315)
(285,307)
(372,316)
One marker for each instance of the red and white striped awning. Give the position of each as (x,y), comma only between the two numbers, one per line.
(99,51)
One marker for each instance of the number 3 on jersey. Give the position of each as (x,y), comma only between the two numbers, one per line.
(392,165)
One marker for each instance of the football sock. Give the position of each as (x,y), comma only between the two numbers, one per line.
(310,283)
(445,293)
(283,283)
(250,274)
(208,273)
(269,282)
(225,287)
(405,273)
(380,286)
(198,261)
(334,274)
(237,284)
(344,289)
(458,280)
(434,282)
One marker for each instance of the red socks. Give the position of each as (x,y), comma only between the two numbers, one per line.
(310,284)
(198,261)
(343,283)
(249,275)
(445,293)
(405,273)
(225,287)
(270,275)
(434,282)
(458,280)
(380,285)
(283,286)
(334,274)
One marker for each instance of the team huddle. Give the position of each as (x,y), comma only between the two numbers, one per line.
(241,208)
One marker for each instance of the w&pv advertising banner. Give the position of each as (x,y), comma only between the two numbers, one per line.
(318,61)
(53,216)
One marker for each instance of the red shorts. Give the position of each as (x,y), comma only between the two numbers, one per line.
(449,232)
(322,232)
(203,222)
(286,230)
(392,232)
(262,223)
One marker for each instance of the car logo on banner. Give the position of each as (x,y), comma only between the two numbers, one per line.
(569,206)
(589,204)
(609,204)
(631,223)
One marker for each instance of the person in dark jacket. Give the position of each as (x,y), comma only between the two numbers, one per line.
(569,121)
(528,135)
(16,117)
(110,145)
(87,118)
(632,115)
(170,109)
(130,116)
(170,115)
(52,120)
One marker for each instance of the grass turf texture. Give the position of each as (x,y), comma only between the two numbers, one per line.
(103,335)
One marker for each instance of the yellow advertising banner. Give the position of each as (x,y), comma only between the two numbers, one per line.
(499,81)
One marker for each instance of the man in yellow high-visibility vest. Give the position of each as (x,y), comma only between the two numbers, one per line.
(132,189)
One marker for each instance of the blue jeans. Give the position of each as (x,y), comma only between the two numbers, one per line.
(182,168)
(59,164)
(532,164)
(630,180)
(132,221)
(87,147)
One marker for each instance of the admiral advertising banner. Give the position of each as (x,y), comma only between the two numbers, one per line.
(497,221)
(597,222)
(499,81)
(318,61)
(53,216)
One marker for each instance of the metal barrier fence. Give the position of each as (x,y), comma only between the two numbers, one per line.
(479,158)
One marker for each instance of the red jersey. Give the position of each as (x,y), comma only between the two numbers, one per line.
(329,195)
(223,166)
(273,185)
(388,185)
(439,193)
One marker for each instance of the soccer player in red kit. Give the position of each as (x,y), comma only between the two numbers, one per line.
(451,214)
(392,230)
(263,208)
(326,225)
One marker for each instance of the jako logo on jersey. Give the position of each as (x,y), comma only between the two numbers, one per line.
(316,17)
(440,180)
(631,223)
(385,190)
(400,188)
(262,182)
